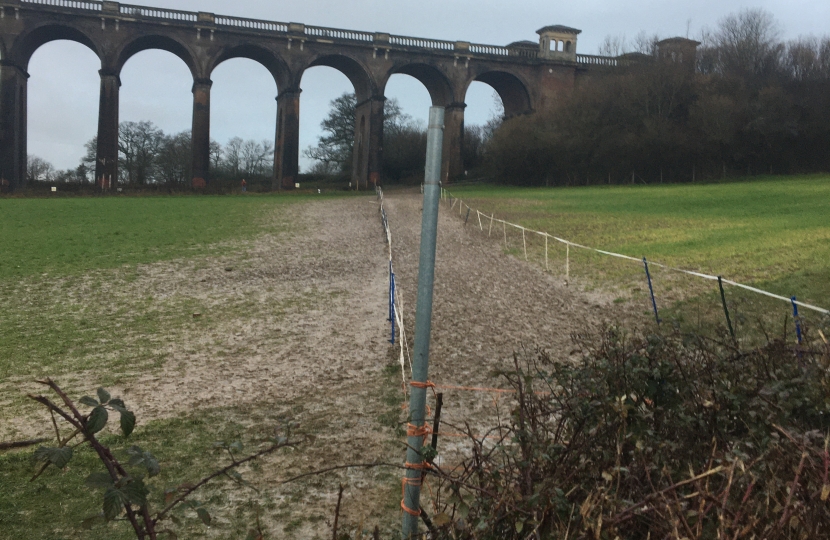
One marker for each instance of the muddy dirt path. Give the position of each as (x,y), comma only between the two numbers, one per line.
(312,338)
(488,305)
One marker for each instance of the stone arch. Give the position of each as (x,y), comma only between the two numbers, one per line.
(437,84)
(511,89)
(359,75)
(164,43)
(27,43)
(268,59)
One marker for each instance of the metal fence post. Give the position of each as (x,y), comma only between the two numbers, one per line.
(416,432)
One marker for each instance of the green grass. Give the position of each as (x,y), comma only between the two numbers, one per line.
(74,305)
(67,300)
(54,506)
(773,232)
(65,236)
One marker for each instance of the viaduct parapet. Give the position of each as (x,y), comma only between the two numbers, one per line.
(528,76)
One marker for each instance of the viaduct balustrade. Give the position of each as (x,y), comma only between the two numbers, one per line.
(528,78)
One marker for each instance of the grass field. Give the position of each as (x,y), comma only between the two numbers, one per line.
(74,305)
(73,244)
(66,236)
(773,233)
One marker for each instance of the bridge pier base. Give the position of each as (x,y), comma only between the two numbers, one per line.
(368,147)
(106,163)
(13,157)
(287,147)
(452,166)
(201,132)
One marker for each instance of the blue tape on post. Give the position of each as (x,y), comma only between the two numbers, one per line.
(651,290)
(391,298)
(797,320)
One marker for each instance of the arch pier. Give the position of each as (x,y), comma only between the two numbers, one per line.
(528,76)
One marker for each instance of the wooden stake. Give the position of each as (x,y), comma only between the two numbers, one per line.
(567,263)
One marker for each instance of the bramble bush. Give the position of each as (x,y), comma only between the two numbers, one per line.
(661,436)
(125,482)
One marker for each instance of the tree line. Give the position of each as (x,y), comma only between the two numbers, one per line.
(404,141)
(148,156)
(751,104)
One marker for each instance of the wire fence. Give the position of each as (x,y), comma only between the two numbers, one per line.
(487,223)
(395,301)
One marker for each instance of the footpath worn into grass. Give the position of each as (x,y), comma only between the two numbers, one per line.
(771,232)
(214,318)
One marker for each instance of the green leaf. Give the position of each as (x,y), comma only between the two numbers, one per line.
(140,458)
(114,502)
(127,422)
(97,419)
(519,527)
(136,492)
(204,516)
(117,403)
(59,457)
(99,480)
(89,401)
(103,395)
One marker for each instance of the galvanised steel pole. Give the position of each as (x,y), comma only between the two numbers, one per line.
(423,325)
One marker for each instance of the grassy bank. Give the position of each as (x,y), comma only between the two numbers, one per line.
(771,232)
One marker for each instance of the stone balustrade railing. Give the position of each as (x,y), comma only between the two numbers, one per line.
(312,32)
(592,60)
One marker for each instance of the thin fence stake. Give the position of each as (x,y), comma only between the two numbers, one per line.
(546,254)
(797,320)
(567,263)
(391,298)
(479,220)
(504,229)
(392,341)
(490,232)
(460,205)
(468,216)
(725,309)
(524,242)
(651,290)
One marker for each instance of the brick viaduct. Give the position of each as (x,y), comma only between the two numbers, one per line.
(528,76)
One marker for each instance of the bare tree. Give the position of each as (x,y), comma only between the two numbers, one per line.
(232,161)
(173,159)
(257,157)
(613,45)
(39,170)
(138,145)
(748,44)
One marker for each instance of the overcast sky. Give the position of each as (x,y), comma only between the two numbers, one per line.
(156,86)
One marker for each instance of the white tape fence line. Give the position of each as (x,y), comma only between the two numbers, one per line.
(396,300)
(570,244)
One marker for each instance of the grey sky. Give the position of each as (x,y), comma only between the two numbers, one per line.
(63,89)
